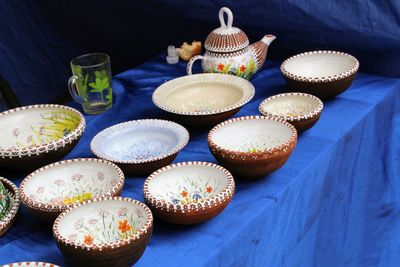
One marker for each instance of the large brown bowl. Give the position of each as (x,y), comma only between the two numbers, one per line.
(112,231)
(324,74)
(189,192)
(33,136)
(252,146)
(11,214)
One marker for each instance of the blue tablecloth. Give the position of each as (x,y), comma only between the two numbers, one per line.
(336,202)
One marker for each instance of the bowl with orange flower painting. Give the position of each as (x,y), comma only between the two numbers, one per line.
(105,231)
(189,192)
(53,188)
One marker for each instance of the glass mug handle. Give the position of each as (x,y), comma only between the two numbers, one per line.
(73,90)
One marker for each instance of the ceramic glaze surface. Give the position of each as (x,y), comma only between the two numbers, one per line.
(34,127)
(72,182)
(188,184)
(30,264)
(5,200)
(141,140)
(254,135)
(102,222)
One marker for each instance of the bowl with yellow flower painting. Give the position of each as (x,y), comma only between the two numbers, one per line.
(106,231)
(189,192)
(52,189)
(33,136)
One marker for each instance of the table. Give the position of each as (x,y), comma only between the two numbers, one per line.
(336,202)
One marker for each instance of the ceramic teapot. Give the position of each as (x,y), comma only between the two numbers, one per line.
(228,50)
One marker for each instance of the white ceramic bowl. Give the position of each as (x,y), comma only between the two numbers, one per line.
(30,264)
(52,189)
(34,136)
(141,146)
(299,109)
(7,221)
(110,231)
(203,99)
(189,192)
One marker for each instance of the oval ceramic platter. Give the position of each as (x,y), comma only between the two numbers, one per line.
(110,231)
(189,192)
(141,146)
(203,99)
(9,201)
(30,264)
(324,74)
(34,136)
(53,188)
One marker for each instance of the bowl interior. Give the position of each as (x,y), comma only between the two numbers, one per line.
(188,184)
(5,201)
(36,126)
(290,106)
(252,135)
(102,222)
(140,140)
(316,65)
(72,182)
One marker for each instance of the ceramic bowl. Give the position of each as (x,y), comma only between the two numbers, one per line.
(30,264)
(252,146)
(142,146)
(324,74)
(189,192)
(52,189)
(110,231)
(11,213)
(299,109)
(203,99)
(5,200)
(34,136)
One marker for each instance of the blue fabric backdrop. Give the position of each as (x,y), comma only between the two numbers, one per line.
(38,38)
(334,203)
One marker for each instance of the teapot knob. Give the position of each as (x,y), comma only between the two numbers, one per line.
(222,20)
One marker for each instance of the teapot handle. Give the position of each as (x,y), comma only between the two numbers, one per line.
(190,63)
(222,20)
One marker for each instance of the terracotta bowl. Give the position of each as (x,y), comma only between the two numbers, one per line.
(11,212)
(142,146)
(324,74)
(189,192)
(252,146)
(299,109)
(30,264)
(52,189)
(110,231)
(203,99)
(34,136)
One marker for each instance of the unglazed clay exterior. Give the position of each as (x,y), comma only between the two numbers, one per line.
(141,146)
(324,74)
(189,192)
(228,50)
(33,136)
(110,231)
(53,188)
(30,264)
(203,99)
(299,109)
(11,212)
(252,146)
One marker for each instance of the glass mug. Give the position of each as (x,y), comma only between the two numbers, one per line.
(90,83)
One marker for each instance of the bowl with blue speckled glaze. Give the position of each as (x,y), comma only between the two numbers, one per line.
(140,147)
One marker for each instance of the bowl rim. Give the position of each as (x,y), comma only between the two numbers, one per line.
(174,127)
(30,263)
(12,189)
(315,112)
(323,79)
(241,154)
(113,245)
(53,145)
(223,196)
(205,77)
(37,205)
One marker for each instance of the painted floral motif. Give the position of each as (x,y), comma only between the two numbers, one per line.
(191,190)
(4,201)
(106,226)
(291,109)
(244,68)
(141,149)
(53,126)
(257,144)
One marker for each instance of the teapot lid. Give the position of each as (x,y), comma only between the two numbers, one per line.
(226,38)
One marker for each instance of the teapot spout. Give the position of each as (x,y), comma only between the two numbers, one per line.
(260,49)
